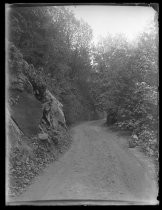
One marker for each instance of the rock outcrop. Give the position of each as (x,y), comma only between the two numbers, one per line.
(31,105)
(36,131)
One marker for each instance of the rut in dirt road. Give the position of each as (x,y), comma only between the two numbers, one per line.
(98,166)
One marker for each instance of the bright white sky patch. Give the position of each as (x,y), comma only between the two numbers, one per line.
(129,20)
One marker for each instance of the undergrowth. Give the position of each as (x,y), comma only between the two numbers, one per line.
(25,166)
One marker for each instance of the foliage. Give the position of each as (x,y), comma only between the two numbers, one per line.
(115,76)
(58,46)
(24,166)
(125,85)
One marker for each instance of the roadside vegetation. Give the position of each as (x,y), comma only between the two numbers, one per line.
(125,85)
(55,52)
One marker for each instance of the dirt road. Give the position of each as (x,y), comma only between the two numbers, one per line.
(98,166)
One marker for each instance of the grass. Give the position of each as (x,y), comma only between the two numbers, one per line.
(25,166)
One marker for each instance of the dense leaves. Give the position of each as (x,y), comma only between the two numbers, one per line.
(58,45)
(125,85)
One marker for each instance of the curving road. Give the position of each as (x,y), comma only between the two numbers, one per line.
(98,166)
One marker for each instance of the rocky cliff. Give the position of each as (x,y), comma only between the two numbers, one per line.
(35,113)
(36,126)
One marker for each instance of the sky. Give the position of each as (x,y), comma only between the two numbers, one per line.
(129,20)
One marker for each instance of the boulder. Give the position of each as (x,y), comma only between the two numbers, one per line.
(132,144)
(135,137)
(43,136)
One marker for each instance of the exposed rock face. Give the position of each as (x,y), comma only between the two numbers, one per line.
(52,117)
(52,110)
(35,123)
(43,136)
(33,117)
(13,132)
(20,83)
(27,112)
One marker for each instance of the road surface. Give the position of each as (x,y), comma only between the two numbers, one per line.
(98,166)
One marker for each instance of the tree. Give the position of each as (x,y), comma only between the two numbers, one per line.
(125,83)
(52,39)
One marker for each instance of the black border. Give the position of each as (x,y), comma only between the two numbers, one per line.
(55,3)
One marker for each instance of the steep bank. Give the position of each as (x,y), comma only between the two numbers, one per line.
(36,128)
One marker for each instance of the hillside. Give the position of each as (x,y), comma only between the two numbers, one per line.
(37,131)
